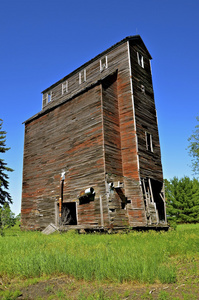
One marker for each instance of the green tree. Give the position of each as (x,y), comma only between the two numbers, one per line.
(7,217)
(4,184)
(193,149)
(182,200)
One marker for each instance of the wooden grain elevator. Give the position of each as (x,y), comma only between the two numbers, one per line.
(92,154)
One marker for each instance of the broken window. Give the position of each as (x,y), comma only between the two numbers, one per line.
(142,87)
(46,98)
(140,59)
(103,63)
(149,141)
(65,87)
(49,97)
(82,76)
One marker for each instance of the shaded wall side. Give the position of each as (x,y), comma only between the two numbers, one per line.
(112,141)
(112,149)
(145,114)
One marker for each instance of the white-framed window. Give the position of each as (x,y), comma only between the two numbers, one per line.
(149,142)
(82,76)
(65,87)
(49,97)
(103,63)
(140,59)
(46,98)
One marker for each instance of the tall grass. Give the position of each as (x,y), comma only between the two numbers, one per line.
(143,257)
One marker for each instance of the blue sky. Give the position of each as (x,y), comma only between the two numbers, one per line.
(44,40)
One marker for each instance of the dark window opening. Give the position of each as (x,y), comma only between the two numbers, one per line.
(123,198)
(69,214)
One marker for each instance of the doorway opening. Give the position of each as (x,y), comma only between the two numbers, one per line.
(69,214)
(154,200)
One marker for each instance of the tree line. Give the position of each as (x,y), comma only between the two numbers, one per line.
(182,200)
(7,217)
(182,195)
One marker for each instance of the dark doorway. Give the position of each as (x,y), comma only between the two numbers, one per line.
(158,198)
(69,214)
(153,194)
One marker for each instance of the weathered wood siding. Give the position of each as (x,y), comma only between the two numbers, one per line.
(145,114)
(69,138)
(94,131)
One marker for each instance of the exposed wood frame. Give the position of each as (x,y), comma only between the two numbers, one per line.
(82,76)
(133,106)
(151,191)
(65,87)
(101,212)
(146,198)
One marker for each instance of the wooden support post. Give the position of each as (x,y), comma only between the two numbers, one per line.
(151,191)
(147,202)
(60,209)
(61,197)
(101,212)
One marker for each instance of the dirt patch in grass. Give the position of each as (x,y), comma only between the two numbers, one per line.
(64,287)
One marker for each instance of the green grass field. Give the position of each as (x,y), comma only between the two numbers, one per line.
(141,257)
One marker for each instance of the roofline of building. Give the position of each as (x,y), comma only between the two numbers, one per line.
(48,109)
(128,38)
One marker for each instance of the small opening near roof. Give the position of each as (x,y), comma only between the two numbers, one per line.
(65,87)
(140,59)
(103,63)
(49,97)
(149,142)
(82,76)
